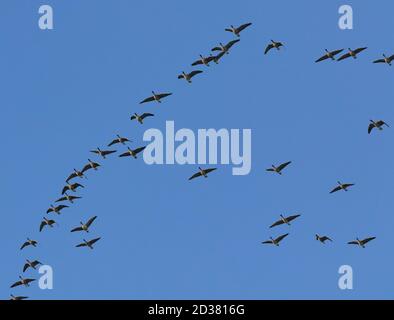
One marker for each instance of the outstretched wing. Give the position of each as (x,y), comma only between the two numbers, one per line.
(352,242)
(367,240)
(25,267)
(322,58)
(359,50)
(216,49)
(283,165)
(149,99)
(71,176)
(280,238)
(24,245)
(18,283)
(107,152)
(113,142)
(231,43)
(345,56)
(195,63)
(144,115)
(277,223)
(193,73)
(244,26)
(267,242)
(335,189)
(138,150)
(370,128)
(209,170)
(163,95)
(379,61)
(382,123)
(77,229)
(42,225)
(268,48)
(291,218)
(94,241)
(347,185)
(81,245)
(90,221)
(198,174)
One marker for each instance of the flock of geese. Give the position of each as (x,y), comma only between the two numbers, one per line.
(72,186)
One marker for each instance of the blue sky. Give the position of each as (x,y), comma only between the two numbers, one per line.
(72,89)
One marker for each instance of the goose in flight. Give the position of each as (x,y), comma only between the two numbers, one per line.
(284,220)
(29,242)
(140,118)
(188,76)
(88,244)
(361,243)
(68,198)
(57,209)
(202,173)
(385,59)
(329,55)
(75,174)
(72,187)
(237,31)
(132,153)
(90,165)
(119,139)
(103,153)
(225,48)
(273,45)
(46,222)
(342,186)
(31,264)
(351,53)
(376,124)
(279,168)
(203,60)
(322,239)
(84,226)
(16,298)
(275,241)
(156,97)
(23,281)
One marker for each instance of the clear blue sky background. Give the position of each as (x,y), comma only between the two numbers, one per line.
(66,91)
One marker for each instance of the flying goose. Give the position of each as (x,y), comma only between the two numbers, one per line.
(329,55)
(72,187)
(84,226)
(279,168)
(275,241)
(90,165)
(202,173)
(75,174)
(119,139)
(132,153)
(68,198)
(272,45)
(342,186)
(16,298)
(361,243)
(31,264)
(376,124)
(351,53)
(203,60)
(22,281)
(29,242)
(188,76)
(102,153)
(46,222)
(140,118)
(225,48)
(322,239)
(285,220)
(57,209)
(385,59)
(156,97)
(88,243)
(237,31)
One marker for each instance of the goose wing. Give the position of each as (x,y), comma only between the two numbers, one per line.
(77,229)
(382,123)
(18,283)
(379,61)
(352,242)
(231,43)
(358,50)
(71,176)
(216,49)
(270,170)
(242,27)
(198,174)
(347,185)
(267,242)
(283,165)
(391,58)
(62,199)
(218,57)
(195,63)
(325,238)
(291,218)
(277,223)
(107,152)
(93,241)
(163,95)
(345,56)
(138,150)
(193,73)
(24,245)
(367,240)
(61,207)
(335,52)
(149,99)
(209,170)
(81,245)
(146,114)
(25,267)
(113,142)
(35,263)
(268,48)
(370,128)
(126,154)
(42,225)
(90,221)
(335,189)
(50,210)
(280,238)
(322,58)
(65,189)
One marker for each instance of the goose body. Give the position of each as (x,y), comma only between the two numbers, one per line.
(385,59)
(140,118)
(68,198)
(279,168)
(156,97)
(84,226)
(352,53)
(376,124)
(203,60)
(329,55)
(118,139)
(202,173)
(71,187)
(322,239)
(272,45)
(90,165)
(361,243)
(31,264)
(285,220)
(275,241)
(57,209)
(342,186)
(237,31)
(46,222)
(29,242)
(132,153)
(22,282)
(88,244)
(103,153)
(225,48)
(75,174)
(188,76)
